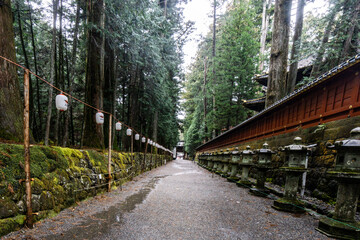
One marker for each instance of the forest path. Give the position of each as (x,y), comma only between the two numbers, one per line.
(176,201)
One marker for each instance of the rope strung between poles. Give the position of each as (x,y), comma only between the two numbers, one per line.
(67,94)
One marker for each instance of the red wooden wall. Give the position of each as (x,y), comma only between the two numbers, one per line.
(335,95)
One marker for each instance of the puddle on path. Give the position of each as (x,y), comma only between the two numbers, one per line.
(100,223)
(181,166)
(187,172)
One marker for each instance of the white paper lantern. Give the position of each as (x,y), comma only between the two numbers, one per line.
(99,118)
(148,141)
(137,137)
(128,132)
(143,139)
(118,126)
(61,102)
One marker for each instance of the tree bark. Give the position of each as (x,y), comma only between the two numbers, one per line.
(72,73)
(11,114)
(155,126)
(61,72)
(134,97)
(93,133)
(264,30)
(205,104)
(279,52)
(321,51)
(350,32)
(52,73)
(110,85)
(33,124)
(39,108)
(296,46)
(214,64)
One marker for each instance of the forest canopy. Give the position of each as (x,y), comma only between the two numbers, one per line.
(272,38)
(119,56)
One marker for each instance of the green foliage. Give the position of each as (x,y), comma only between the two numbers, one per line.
(339,21)
(234,67)
(141,36)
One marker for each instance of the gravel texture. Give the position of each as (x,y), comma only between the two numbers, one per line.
(177,201)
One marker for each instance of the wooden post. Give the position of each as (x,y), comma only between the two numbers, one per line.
(132,147)
(145,152)
(156,156)
(29,217)
(151,161)
(140,163)
(109,154)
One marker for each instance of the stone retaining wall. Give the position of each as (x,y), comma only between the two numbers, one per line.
(62,176)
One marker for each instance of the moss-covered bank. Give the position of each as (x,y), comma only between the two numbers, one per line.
(62,176)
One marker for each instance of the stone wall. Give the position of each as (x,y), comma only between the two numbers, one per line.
(62,176)
(317,185)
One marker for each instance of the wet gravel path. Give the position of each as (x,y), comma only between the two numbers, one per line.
(176,201)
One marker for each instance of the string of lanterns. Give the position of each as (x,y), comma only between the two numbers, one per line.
(61,102)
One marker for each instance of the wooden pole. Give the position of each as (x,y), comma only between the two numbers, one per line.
(151,157)
(29,217)
(109,154)
(132,147)
(145,152)
(140,163)
(156,157)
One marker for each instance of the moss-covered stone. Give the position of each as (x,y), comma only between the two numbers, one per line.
(37,186)
(61,177)
(7,208)
(35,202)
(59,194)
(47,201)
(11,224)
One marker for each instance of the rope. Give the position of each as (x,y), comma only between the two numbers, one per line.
(76,99)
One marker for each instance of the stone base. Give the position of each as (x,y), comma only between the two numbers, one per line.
(259,192)
(224,175)
(334,229)
(244,183)
(232,179)
(288,206)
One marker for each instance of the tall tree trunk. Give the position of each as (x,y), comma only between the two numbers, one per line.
(279,52)
(230,112)
(52,72)
(134,97)
(320,54)
(155,126)
(205,103)
(93,133)
(350,33)
(214,69)
(33,124)
(264,30)
(39,108)
(296,46)
(11,114)
(72,73)
(61,72)
(110,85)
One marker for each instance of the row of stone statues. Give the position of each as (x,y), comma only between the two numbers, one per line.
(346,171)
